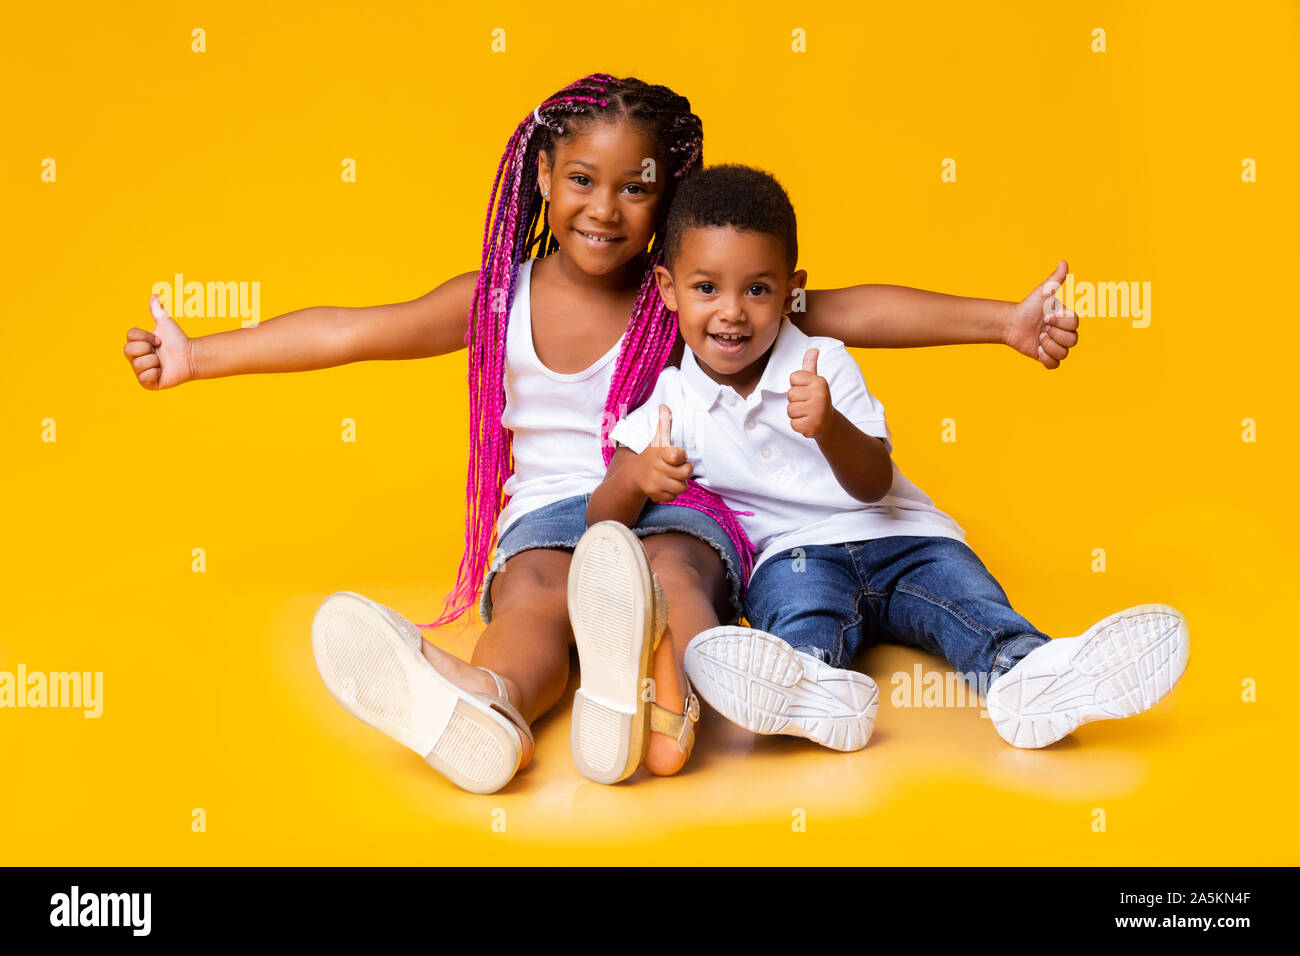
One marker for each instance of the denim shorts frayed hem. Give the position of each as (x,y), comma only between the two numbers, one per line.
(559,525)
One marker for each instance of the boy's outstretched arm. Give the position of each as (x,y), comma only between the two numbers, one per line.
(312,338)
(860,462)
(659,474)
(891,316)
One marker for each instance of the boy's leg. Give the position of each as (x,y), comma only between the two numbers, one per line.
(809,597)
(781,674)
(934,593)
(1119,667)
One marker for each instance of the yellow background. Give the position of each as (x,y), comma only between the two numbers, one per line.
(225,166)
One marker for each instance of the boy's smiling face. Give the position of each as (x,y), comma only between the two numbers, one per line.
(729,289)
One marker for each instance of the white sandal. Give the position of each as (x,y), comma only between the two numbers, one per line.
(371,661)
(618,612)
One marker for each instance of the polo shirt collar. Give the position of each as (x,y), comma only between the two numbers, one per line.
(787,355)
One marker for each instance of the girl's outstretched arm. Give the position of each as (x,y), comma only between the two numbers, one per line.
(312,338)
(890,316)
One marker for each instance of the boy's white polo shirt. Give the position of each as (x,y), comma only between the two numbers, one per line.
(744,450)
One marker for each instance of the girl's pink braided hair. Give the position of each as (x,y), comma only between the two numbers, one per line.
(515,214)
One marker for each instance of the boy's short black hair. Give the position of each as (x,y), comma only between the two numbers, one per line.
(741,197)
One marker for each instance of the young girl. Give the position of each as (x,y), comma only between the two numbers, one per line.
(554,362)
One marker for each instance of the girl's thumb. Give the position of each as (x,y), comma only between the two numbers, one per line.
(156,310)
(162,320)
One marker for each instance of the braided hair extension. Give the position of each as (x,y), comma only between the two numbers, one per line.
(516,227)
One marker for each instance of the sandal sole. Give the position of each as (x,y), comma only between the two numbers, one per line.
(369,668)
(611,609)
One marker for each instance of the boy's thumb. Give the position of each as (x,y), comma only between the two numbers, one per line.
(1058,276)
(663,436)
(810,361)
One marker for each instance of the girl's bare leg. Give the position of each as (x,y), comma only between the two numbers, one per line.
(527,641)
(699,597)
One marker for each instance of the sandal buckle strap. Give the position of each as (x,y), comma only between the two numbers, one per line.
(681,726)
(500,702)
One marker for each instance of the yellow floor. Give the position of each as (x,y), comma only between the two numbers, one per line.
(212,701)
(225,166)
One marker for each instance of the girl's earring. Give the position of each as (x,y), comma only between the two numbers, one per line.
(546,194)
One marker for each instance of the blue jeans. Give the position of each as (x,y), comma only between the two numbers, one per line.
(931,593)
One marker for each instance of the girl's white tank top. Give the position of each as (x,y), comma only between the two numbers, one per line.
(555,418)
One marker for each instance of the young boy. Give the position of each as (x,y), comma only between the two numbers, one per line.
(782,425)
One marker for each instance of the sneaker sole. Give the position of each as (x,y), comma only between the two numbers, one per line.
(1119,667)
(611,609)
(760,682)
(369,668)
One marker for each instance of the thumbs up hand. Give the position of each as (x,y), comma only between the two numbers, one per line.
(161,358)
(661,470)
(1040,326)
(810,410)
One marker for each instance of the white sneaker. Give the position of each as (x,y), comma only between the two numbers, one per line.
(1119,667)
(760,682)
(370,659)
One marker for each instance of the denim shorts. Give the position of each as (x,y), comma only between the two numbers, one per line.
(559,525)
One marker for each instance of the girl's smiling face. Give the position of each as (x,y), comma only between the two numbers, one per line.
(602,213)
(729,289)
